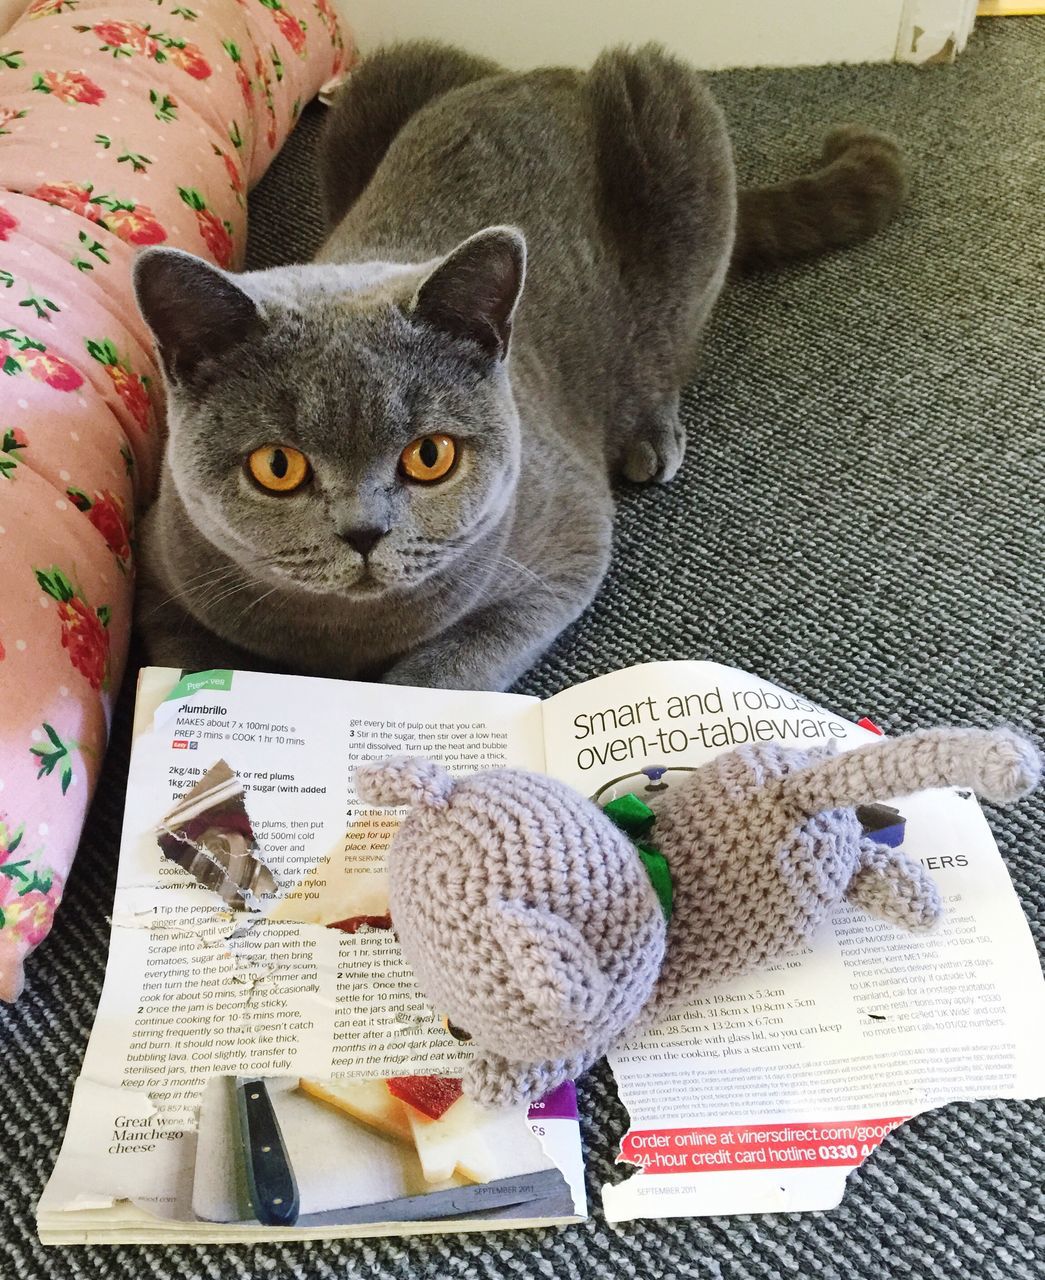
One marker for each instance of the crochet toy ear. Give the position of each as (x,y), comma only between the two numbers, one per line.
(551,963)
(404,780)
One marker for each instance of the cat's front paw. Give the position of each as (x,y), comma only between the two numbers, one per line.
(446,667)
(418,672)
(657,449)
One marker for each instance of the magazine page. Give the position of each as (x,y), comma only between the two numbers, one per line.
(764,1092)
(262,1063)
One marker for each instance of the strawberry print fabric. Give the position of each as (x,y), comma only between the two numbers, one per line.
(121,126)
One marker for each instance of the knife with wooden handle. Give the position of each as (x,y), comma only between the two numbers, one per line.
(270,1178)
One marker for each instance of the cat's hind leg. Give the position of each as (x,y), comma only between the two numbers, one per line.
(655,448)
(666,201)
(893,887)
(387,88)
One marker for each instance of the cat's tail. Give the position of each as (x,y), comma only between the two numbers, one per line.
(376,101)
(998,764)
(861,185)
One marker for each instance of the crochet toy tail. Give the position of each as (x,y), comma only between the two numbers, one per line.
(997,764)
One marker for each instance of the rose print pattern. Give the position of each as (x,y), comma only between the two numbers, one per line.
(217,235)
(136,223)
(69,86)
(164,107)
(87,150)
(328,18)
(55,754)
(44,366)
(265,82)
(34,301)
(28,913)
(290,28)
(242,78)
(131,387)
(48,8)
(28,895)
(88,245)
(84,630)
(233,170)
(8,115)
(122,39)
(138,162)
(128,39)
(108,514)
(131,221)
(190,59)
(19,353)
(11,439)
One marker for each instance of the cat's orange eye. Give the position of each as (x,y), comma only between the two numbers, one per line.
(278,468)
(428,458)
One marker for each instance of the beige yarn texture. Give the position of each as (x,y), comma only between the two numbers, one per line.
(529,920)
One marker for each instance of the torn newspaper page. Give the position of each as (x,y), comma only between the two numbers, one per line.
(294,991)
(763,1094)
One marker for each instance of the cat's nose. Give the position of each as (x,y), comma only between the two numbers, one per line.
(362,538)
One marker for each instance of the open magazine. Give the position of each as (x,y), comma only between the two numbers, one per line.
(264,1066)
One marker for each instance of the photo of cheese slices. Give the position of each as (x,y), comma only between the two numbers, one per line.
(453,1136)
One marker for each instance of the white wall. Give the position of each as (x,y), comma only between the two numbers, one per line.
(710,33)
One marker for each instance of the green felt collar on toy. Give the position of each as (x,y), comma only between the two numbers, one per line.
(635,818)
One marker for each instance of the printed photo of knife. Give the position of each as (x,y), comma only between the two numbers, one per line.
(270,1178)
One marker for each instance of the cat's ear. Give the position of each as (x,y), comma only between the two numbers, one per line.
(472,294)
(197,313)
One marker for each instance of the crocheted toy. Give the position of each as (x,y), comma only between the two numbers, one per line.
(531,921)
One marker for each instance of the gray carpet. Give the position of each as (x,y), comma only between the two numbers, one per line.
(860,519)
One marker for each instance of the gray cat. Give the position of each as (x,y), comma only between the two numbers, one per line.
(396,462)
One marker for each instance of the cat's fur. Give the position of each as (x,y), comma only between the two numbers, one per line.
(446,182)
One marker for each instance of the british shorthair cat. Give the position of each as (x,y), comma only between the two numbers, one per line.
(395,462)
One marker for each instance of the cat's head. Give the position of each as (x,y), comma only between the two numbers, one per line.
(347,428)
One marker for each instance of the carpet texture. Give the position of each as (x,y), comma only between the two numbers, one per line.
(860,519)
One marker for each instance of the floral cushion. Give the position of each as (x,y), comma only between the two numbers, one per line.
(121,125)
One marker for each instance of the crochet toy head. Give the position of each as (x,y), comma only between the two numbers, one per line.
(530,920)
(525,914)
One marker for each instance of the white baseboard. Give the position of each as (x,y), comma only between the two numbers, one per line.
(934,30)
(709,33)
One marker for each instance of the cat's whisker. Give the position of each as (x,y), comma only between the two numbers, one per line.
(218,571)
(254,603)
(523,569)
(228,573)
(213,578)
(227,592)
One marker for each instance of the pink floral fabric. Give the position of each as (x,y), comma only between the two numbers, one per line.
(121,125)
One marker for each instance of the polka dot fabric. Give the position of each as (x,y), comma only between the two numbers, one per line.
(120,126)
